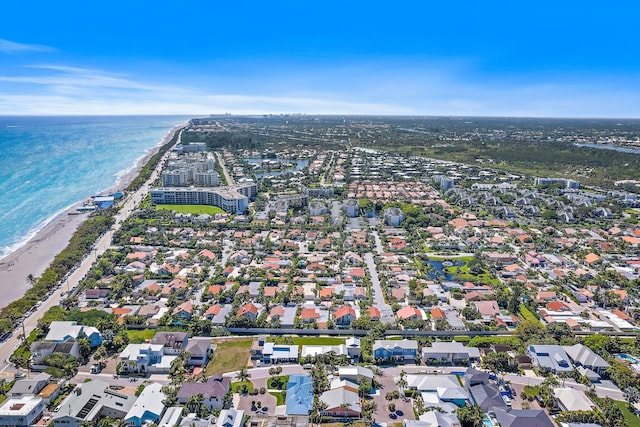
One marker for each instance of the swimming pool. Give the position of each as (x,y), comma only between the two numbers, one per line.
(624,356)
(486,422)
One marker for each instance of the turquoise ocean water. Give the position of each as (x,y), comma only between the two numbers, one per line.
(51,163)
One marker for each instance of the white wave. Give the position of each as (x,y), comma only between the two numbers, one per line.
(9,249)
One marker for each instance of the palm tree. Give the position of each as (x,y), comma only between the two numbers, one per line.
(369,407)
(100,354)
(318,407)
(470,416)
(402,381)
(194,402)
(632,396)
(243,374)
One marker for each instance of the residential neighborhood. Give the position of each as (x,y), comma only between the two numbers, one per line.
(329,285)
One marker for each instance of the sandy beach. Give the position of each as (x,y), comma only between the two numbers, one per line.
(36,255)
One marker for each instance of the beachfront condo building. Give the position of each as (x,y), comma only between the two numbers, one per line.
(233,199)
(191,169)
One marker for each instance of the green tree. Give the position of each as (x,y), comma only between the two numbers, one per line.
(559,331)
(470,415)
(84,347)
(498,362)
(243,374)
(529,330)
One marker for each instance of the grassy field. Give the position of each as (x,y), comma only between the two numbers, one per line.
(139,336)
(631,419)
(525,314)
(192,209)
(231,355)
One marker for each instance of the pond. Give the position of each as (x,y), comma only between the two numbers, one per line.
(608,147)
(296,165)
(437,269)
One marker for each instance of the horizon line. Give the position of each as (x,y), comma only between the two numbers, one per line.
(197,116)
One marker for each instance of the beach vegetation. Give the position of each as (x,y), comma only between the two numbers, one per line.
(147,169)
(81,243)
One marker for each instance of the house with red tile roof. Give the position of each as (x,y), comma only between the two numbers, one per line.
(216,289)
(591,258)
(437,313)
(557,306)
(399,294)
(206,253)
(374,313)
(249,310)
(409,313)
(344,315)
(326,293)
(183,311)
(309,315)
(212,311)
(275,313)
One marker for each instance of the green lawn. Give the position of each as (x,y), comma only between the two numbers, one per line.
(140,336)
(631,419)
(280,397)
(192,209)
(278,382)
(525,314)
(231,355)
(235,386)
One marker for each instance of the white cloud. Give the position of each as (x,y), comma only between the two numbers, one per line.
(8,46)
(54,89)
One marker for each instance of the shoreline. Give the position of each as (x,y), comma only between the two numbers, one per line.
(35,255)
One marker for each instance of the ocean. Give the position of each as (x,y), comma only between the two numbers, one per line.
(51,163)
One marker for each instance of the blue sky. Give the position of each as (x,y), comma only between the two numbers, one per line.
(543,58)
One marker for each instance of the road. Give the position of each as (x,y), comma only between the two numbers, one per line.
(225,171)
(128,206)
(378,297)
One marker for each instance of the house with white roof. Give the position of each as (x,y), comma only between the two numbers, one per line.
(550,358)
(145,358)
(450,352)
(570,399)
(583,356)
(148,407)
(355,374)
(230,418)
(279,353)
(21,411)
(443,391)
(60,331)
(91,401)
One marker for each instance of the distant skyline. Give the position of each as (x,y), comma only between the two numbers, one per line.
(536,59)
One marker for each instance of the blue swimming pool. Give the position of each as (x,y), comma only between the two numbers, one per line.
(624,356)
